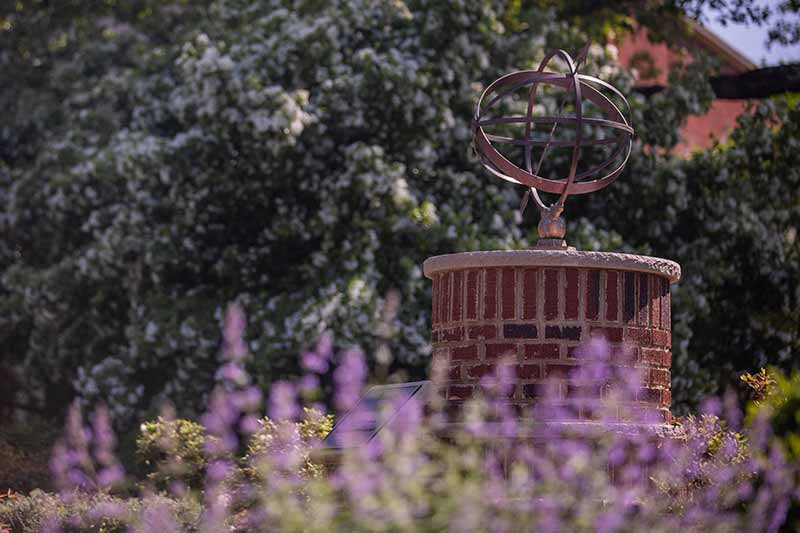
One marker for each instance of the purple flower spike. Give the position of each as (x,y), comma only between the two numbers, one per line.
(177,488)
(313,362)
(111,472)
(409,416)
(111,510)
(233,373)
(309,384)
(349,379)
(318,361)
(235,347)
(219,470)
(51,525)
(111,476)
(103,434)
(733,414)
(711,406)
(249,425)
(282,402)
(325,345)
(157,518)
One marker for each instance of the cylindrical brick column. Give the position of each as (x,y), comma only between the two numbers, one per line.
(534,308)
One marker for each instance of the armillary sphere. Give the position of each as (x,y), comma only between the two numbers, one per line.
(579,88)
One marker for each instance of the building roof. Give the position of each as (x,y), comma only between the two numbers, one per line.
(734,59)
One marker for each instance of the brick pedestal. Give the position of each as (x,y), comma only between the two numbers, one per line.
(534,308)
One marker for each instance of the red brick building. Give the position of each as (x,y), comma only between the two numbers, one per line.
(699,131)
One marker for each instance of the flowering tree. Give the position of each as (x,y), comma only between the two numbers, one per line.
(300,157)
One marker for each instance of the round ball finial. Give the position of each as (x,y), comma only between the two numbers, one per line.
(576,131)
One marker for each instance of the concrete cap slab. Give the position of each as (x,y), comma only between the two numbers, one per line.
(553,258)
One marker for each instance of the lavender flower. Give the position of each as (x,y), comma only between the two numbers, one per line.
(282,402)
(349,379)
(494,472)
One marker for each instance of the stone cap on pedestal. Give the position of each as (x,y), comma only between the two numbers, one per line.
(553,258)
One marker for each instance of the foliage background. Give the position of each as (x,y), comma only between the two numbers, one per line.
(158,160)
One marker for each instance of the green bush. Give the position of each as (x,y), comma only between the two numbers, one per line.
(95,513)
(313,427)
(780,407)
(172,450)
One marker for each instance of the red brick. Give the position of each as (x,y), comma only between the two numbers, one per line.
(478,371)
(494,351)
(629,300)
(441,356)
(550,294)
(509,290)
(655,301)
(653,416)
(666,359)
(444,313)
(472,295)
(490,294)
(625,354)
(459,392)
(464,353)
(643,313)
(520,331)
(576,352)
(610,334)
(452,334)
(585,391)
(666,398)
(529,294)
(535,390)
(640,336)
(652,356)
(659,378)
(541,351)
(454,374)
(435,301)
(551,391)
(649,395)
(592,411)
(529,372)
(571,294)
(572,333)
(482,332)
(550,410)
(593,294)
(665,304)
(668,313)
(557,370)
(662,339)
(612,300)
(458,296)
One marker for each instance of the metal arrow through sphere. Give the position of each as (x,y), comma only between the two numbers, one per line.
(551,227)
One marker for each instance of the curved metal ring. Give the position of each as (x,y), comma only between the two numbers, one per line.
(501,167)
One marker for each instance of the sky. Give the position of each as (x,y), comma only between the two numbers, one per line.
(751,42)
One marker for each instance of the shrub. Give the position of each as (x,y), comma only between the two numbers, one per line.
(76,512)
(304,436)
(779,410)
(173,450)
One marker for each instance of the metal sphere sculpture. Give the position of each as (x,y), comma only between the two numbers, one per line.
(579,88)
